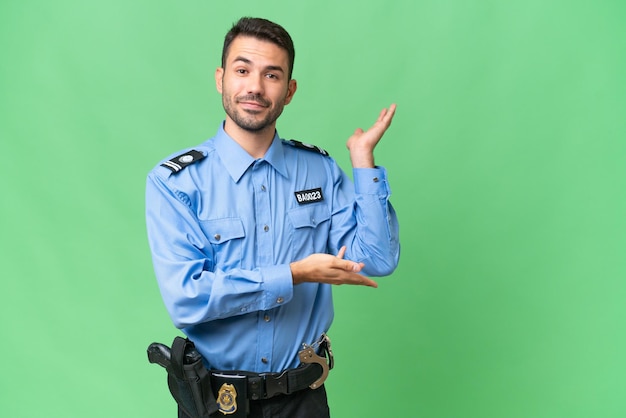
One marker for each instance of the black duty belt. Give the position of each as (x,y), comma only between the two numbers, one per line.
(233,387)
(311,373)
(266,385)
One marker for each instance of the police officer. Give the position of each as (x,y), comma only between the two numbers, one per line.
(249,231)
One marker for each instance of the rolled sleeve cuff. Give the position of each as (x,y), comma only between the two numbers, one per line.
(371,181)
(278,285)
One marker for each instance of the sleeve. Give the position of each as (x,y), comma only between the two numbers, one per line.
(366,222)
(192,289)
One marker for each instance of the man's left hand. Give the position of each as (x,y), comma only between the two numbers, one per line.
(362,143)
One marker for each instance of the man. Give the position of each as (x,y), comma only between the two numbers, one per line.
(248,231)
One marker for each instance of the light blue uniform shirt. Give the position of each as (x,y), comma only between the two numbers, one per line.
(224,229)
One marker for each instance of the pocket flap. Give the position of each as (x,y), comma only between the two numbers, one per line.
(309,216)
(222,230)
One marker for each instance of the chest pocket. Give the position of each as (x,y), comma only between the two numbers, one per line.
(310,229)
(226,237)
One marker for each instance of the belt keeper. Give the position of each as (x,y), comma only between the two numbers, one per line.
(275,385)
(255,388)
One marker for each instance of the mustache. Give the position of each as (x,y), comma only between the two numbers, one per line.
(256,98)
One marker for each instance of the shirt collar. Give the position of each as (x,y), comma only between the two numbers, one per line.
(237,160)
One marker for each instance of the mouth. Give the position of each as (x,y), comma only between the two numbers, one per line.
(253,103)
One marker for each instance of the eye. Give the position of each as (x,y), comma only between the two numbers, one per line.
(272,76)
(241,71)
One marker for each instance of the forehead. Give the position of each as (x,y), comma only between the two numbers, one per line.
(257,51)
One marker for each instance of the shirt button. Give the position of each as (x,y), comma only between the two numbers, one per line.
(280,300)
(375,179)
(262,188)
(217,237)
(264,360)
(266,318)
(266,228)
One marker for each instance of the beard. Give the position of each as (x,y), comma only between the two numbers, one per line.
(252,120)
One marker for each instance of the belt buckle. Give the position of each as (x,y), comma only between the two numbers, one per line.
(275,384)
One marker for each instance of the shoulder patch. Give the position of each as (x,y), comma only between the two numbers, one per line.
(176,164)
(309,147)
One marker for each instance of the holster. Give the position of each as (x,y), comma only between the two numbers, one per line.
(189,381)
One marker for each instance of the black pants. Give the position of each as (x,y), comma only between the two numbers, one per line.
(306,403)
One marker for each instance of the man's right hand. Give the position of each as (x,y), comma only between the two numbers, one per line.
(326,268)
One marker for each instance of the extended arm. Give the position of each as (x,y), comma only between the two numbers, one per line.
(374,237)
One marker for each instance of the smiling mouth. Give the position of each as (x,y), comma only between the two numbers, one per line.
(253,102)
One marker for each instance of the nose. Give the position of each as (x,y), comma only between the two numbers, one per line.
(255,84)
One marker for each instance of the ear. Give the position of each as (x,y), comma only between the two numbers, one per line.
(219,77)
(291,90)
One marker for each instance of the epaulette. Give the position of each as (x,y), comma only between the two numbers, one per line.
(309,147)
(176,164)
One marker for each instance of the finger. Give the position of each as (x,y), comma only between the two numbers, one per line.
(355,279)
(365,281)
(370,283)
(349,266)
(342,252)
(357,267)
(381,115)
(388,116)
(384,120)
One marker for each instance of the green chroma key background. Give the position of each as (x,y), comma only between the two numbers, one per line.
(506,158)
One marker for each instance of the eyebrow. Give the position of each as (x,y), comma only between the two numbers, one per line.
(249,62)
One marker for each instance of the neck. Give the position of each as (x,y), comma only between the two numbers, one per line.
(254,143)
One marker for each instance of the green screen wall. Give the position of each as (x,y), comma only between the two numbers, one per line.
(507,162)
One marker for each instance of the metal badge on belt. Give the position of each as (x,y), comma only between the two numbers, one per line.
(232,396)
(227,399)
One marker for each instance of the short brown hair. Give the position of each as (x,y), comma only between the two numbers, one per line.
(262,29)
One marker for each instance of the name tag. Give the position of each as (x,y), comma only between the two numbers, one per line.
(309,196)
